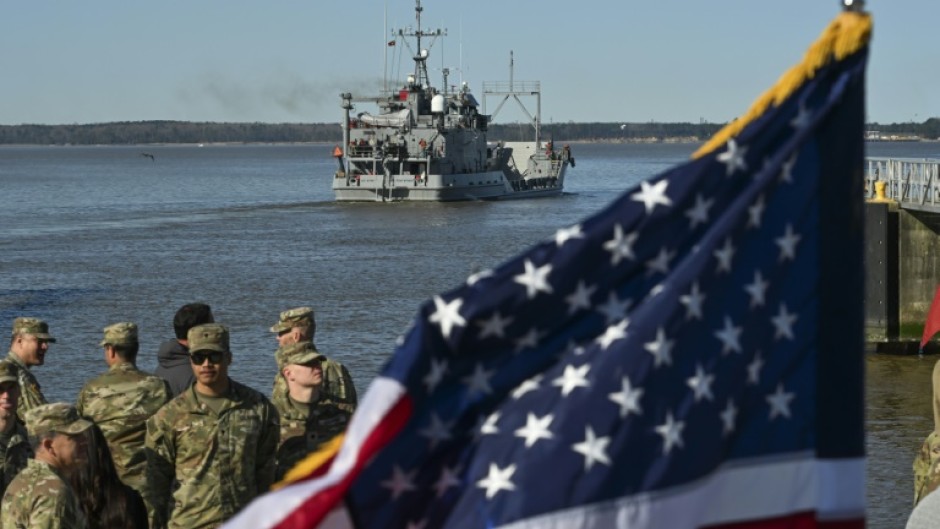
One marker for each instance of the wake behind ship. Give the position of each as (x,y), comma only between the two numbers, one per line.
(426,144)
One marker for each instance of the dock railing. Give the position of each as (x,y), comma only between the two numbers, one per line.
(912,182)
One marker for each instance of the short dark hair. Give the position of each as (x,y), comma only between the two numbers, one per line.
(127,352)
(189,316)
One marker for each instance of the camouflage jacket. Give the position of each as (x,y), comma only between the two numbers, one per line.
(927,467)
(120,401)
(304,428)
(30,394)
(17,454)
(337,387)
(39,498)
(203,467)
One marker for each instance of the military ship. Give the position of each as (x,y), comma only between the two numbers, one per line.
(421,143)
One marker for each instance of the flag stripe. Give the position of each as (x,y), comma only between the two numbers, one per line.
(832,489)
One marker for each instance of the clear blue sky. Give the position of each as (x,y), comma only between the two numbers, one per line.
(287,61)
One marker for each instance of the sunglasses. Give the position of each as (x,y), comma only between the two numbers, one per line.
(214,357)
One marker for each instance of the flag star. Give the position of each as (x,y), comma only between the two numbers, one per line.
(497,480)
(489,425)
(650,195)
(660,348)
(613,333)
(479,380)
(701,384)
(580,298)
(787,244)
(698,214)
(528,340)
(757,289)
(436,374)
(437,431)
(450,477)
(780,402)
(615,309)
(753,369)
(730,337)
(755,213)
(802,119)
(627,398)
(621,246)
(693,303)
(733,157)
(535,428)
(565,234)
(786,173)
(447,315)
(728,416)
(528,385)
(724,256)
(656,290)
(671,431)
(400,482)
(494,326)
(783,323)
(534,279)
(574,348)
(593,449)
(661,262)
(573,377)
(474,278)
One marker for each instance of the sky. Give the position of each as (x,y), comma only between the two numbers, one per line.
(66,62)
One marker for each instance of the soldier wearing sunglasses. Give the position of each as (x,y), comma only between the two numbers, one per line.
(211,449)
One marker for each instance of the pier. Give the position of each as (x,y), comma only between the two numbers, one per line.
(902,254)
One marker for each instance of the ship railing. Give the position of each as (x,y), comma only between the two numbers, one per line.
(911,181)
(506,87)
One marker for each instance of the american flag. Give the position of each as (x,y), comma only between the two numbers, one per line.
(691,356)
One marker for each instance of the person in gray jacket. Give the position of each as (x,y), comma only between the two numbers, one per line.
(173,356)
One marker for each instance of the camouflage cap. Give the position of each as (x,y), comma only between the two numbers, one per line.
(208,337)
(7,373)
(124,333)
(299,317)
(34,326)
(58,417)
(296,353)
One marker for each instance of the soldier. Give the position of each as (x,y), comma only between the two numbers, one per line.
(38,496)
(173,356)
(212,449)
(299,325)
(927,461)
(28,347)
(308,418)
(121,400)
(14,443)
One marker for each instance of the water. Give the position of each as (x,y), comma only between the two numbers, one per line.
(94,235)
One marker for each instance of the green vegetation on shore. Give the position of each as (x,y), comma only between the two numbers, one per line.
(143,132)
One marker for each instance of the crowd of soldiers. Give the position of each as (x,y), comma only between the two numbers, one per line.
(186,447)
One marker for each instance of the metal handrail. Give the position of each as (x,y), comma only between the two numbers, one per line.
(912,182)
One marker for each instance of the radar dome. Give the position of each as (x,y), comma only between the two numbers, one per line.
(437,104)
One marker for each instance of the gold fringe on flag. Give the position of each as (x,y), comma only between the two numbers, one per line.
(848,33)
(306,466)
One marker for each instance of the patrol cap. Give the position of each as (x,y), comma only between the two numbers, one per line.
(124,333)
(34,326)
(296,353)
(208,337)
(7,373)
(299,317)
(58,417)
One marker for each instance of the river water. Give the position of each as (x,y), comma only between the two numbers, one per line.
(94,235)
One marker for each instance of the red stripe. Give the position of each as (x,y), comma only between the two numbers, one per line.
(313,510)
(796,521)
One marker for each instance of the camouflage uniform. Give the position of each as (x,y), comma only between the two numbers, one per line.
(220,462)
(38,497)
(30,394)
(304,427)
(17,453)
(927,467)
(120,402)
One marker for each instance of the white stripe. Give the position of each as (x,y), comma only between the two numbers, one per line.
(270,509)
(835,489)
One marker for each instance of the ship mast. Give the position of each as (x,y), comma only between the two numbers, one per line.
(421,54)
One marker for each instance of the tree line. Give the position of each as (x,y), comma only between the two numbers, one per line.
(144,132)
